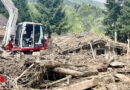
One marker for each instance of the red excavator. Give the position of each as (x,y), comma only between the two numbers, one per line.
(28,36)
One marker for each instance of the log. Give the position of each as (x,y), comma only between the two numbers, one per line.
(73,72)
(53,64)
(82,85)
(49,63)
(16,79)
(67,71)
(128,47)
(92,50)
(124,71)
(122,77)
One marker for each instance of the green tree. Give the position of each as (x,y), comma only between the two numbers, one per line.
(123,22)
(89,16)
(73,20)
(112,14)
(3,10)
(53,16)
(23,10)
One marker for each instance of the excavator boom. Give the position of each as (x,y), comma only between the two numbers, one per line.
(11,24)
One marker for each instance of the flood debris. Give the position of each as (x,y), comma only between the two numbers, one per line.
(122,77)
(70,62)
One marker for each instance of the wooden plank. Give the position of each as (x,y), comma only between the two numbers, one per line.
(68,71)
(80,86)
(128,48)
(92,50)
(74,72)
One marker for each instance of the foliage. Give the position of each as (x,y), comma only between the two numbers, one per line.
(123,22)
(112,13)
(52,16)
(118,19)
(23,9)
(72,16)
(3,10)
(89,16)
(89,2)
(73,20)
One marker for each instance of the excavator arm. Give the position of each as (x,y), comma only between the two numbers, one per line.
(11,24)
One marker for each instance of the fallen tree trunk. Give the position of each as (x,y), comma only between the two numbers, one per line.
(73,72)
(67,71)
(82,85)
(53,64)
(49,63)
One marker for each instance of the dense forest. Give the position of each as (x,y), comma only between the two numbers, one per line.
(76,16)
(117,18)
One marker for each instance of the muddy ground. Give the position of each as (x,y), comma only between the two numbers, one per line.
(42,69)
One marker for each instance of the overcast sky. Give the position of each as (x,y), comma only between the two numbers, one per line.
(101,0)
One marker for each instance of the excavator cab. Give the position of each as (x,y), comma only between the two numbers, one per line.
(29,36)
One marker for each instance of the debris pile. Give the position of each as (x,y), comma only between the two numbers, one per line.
(65,67)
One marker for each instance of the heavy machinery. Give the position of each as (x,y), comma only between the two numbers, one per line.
(28,36)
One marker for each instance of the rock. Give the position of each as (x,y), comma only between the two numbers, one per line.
(82,85)
(109,69)
(117,64)
(36,53)
(122,77)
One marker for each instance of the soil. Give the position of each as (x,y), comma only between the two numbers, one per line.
(41,73)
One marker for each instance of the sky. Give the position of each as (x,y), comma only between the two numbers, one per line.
(101,1)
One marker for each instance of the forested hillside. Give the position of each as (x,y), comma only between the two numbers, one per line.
(75,16)
(89,2)
(85,15)
(117,18)
(72,16)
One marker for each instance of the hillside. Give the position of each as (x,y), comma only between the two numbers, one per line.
(79,2)
(89,2)
(85,15)
(81,15)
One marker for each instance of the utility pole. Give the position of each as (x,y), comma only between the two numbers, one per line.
(128,50)
(115,36)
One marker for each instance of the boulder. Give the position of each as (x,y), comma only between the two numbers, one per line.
(117,64)
(36,53)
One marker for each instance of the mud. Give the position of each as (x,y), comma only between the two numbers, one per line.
(62,54)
